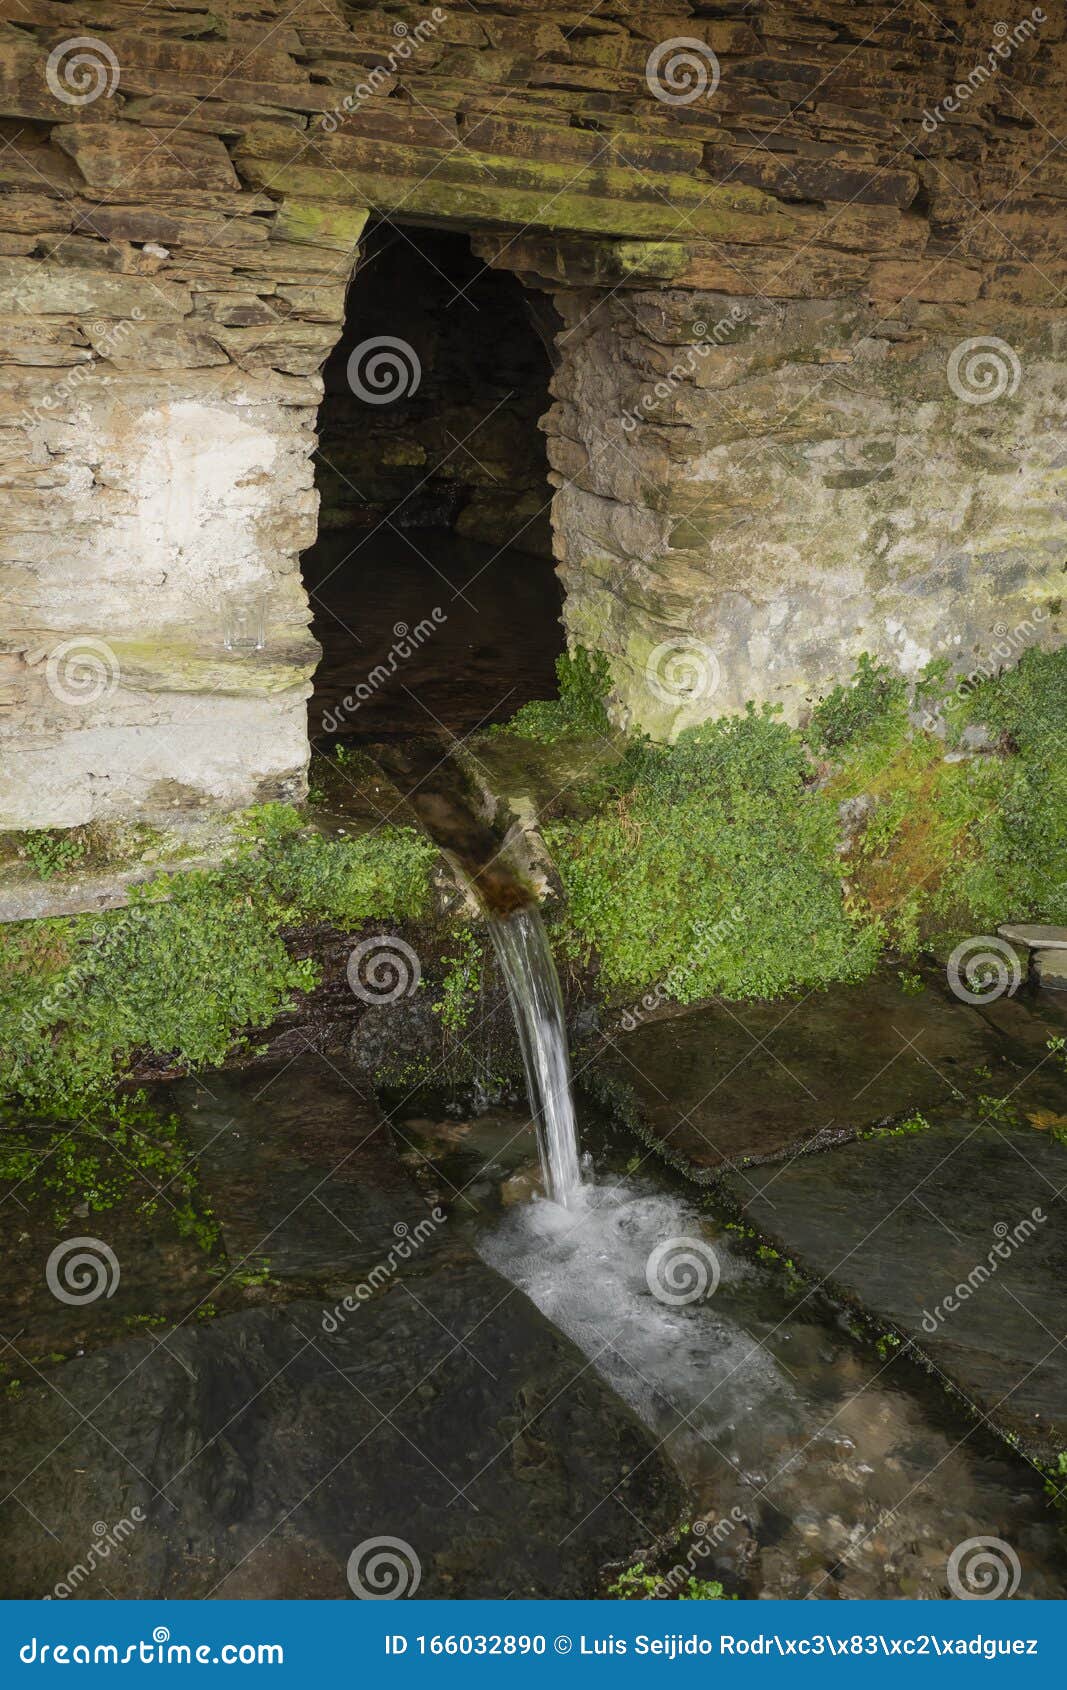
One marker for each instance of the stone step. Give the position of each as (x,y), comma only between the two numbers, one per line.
(1034,937)
(1050,969)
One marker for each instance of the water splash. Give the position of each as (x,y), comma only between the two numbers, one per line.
(525,957)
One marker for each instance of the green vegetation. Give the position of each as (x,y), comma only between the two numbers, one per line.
(711,866)
(584,680)
(711,869)
(638,1585)
(187,972)
(462,981)
(714,865)
(112,1150)
(52,851)
(1056,1481)
(901,1129)
(954,847)
(872,700)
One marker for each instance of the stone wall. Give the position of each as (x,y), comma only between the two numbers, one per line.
(180,206)
(751,493)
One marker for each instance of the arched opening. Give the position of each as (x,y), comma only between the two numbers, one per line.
(434,596)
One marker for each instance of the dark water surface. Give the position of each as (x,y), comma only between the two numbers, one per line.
(491,647)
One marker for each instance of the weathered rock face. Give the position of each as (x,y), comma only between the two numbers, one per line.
(182,201)
(752,492)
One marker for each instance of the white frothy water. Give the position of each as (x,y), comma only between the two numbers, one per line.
(685,1365)
(537,1005)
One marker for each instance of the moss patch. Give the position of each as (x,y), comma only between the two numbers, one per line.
(188,971)
(716,865)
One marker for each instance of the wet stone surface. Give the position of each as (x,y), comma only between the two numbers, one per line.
(722,1085)
(262,1447)
(820,1463)
(955,1237)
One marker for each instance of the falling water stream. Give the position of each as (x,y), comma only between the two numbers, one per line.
(439,792)
(525,957)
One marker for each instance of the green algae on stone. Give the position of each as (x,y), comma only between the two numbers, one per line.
(194,962)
